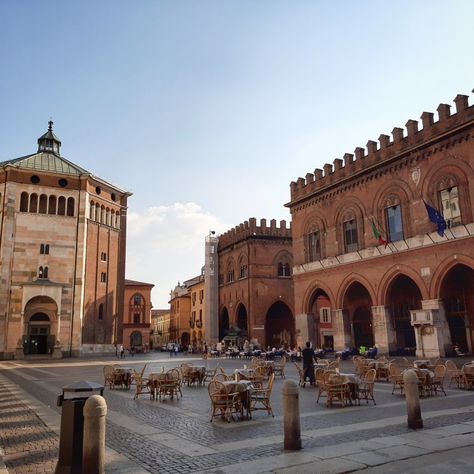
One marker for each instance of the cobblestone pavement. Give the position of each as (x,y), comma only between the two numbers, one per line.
(176,436)
(28,444)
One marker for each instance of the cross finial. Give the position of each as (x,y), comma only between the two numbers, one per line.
(50,125)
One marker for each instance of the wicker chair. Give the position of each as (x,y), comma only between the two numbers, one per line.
(366,387)
(337,390)
(261,396)
(109,378)
(302,381)
(223,404)
(454,374)
(279,369)
(437,382)
(395,377)
(142,385)
(134,372)
(209,374)
(170,384)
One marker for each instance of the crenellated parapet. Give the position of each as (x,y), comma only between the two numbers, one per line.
(250,229)
(386,148)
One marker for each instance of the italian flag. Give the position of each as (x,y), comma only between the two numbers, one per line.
(378,235)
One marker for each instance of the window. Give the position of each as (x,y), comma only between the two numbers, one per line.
(103,256)
(284,269)
(44,249)
(136,318)
(314,246)
(230,275)
(201,295)
(24,202)
(325,315)
(350,236)
(243,271)
(70,206)
(43,272)
(61,206)
(101,312)
(103,277)
(193,297)
(450,205)
(52,205)
(43,204)
(137,299)
(394,223)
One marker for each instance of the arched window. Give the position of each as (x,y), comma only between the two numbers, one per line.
(61,206)
(24,202)
(230,272)
(97,212)
(313,243)
(34,203)
(40,272)
(349,229)
(107,217)
(52,205)
(117,220)
(45,272)
(284,269)
(70,206)
(43,204)
(102,215)
(92,211)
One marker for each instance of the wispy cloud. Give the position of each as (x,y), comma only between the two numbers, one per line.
(164,242)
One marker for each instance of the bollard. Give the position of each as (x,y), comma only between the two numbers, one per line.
(291,415)
(412,397)
(93,454)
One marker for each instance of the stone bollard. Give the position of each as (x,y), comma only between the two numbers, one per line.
(412,397)
(93,453)
(291,415)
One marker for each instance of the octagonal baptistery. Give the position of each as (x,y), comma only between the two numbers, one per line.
(383,241)
(62,257)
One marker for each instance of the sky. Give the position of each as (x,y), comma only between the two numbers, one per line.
(206,110)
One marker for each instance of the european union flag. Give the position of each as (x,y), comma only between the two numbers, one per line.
(437,218)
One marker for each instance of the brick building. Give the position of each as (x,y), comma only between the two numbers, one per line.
(62,256)
(418,290)
(137,315)
(255,289)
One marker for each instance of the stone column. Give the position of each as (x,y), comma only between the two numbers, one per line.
(384,334)
(342,329)
(304,325)
(442,334)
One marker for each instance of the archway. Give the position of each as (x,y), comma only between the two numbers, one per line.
(223,324)
(320,311)
(242,321)
(403,295)
(358,304)
(136,339)
(39,329)
(457,293)
(279,326)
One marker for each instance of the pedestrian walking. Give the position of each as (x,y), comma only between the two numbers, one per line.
(308,363)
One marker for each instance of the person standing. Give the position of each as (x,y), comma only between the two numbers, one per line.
(308,363)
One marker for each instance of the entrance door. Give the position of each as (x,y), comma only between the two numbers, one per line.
(38,332)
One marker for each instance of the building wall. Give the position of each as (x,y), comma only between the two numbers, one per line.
(400,172)
(198,308)
(257,292)
(143,309)
(72,292)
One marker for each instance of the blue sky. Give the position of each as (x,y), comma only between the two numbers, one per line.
(207,110)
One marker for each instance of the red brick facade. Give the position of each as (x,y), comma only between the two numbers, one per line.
(418,291)
(255,286)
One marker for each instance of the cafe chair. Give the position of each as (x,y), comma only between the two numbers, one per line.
(260,397)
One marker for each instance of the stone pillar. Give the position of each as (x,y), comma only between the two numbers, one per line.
(384,334)
(93,451)
(291,415)
(432,334)
(412,397)
(342,329)
(304,329)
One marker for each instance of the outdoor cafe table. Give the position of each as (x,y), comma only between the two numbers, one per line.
(352,381)
(422,364)
(244,388)
(122,376)
(268,364)
(244,374)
